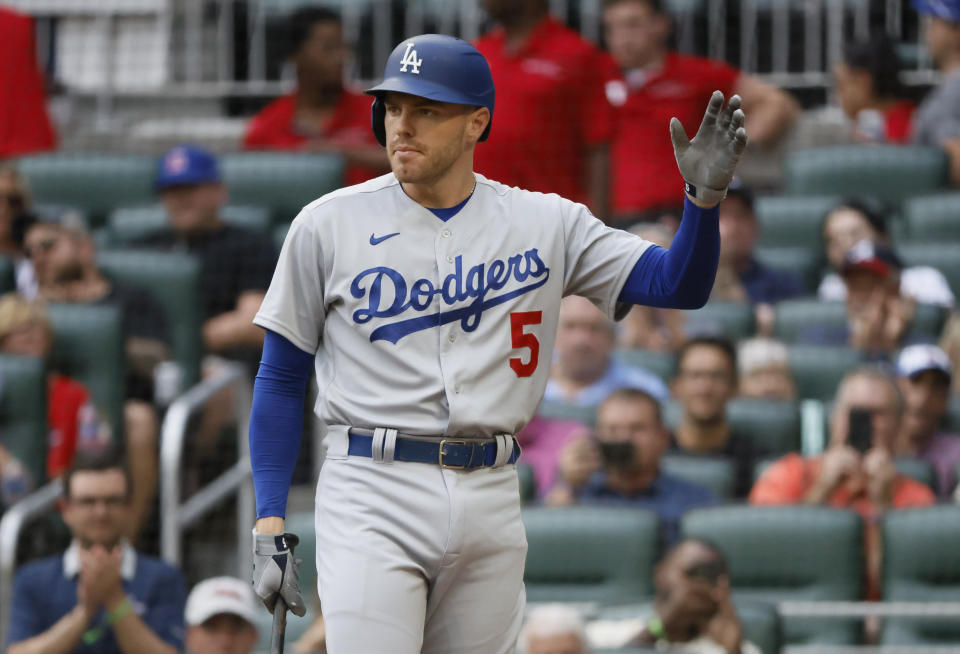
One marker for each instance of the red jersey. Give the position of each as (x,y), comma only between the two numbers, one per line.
(275,128)
(68,402)
(644,168)
(550,106)
(24,124)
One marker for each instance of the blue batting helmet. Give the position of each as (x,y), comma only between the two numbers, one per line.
(436,67)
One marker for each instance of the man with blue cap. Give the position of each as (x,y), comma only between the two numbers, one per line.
(937,121)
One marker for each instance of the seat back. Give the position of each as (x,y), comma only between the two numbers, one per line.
(173,280)
(789,553)
(7,280)
(128,224)
(662,364)
(563,411)
(792,220)
(23,412)
(818,369)
(796,260)
(716,474)
(795,318)
(774,427)
(590,554)
(735,320)
(933,218)
(890,173)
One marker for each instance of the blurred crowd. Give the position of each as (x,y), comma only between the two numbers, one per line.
(613,429)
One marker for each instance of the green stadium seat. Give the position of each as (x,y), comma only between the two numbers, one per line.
(891,173)
(23,412)
(129,224)
(173,280)
(795,317)
(7,281)
(774,427)
(590,554)
(952,421)
(528,483)
(735,320)
(789,553)
(945,257)
(918,470)
(818,369)
(93,183)
(284,182)
(933,218)
(562,411)
(88,346)
(717,474)
(662,364)
(280,235)
(792,221)
(921,562)
(796,260)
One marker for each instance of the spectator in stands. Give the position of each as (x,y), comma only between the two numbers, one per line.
(221,617)
(14,205)
(621,465)
(100,595)
(541,442)
(321,114)
(554,124)
(24,123)
(693,608)
(764,370)
(236,265)
(868,87)
(925,374)
(853,220)
(857,470)
(937,120)
(553,629)
(950,342)
(739,230)
(585,371)
(705,381)
(656,84)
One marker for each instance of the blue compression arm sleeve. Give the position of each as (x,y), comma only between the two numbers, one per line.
(681,277)
(276,421)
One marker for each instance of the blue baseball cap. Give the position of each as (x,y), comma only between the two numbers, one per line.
(945,9)
(186,165)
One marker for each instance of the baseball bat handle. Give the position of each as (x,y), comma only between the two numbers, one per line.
(279,626)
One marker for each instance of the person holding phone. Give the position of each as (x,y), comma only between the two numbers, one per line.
(620,464)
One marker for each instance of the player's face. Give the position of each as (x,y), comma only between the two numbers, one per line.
(853,88)
(321,59)
(54,253)
(194,207)
(623,420)
(97,507)
(843,229)
(705,382)
(926,395)
(425,139)
(584,340)
(738,229)
(569,643)
(635,34)
(222,634)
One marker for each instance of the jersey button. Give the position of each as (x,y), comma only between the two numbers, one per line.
(445,233)
(449,259)
(456,389)
(452,337)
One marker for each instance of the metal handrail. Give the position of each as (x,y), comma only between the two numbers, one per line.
(32,506)
(177,515)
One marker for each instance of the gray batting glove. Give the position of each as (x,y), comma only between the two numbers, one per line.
(275,571)
(707,163)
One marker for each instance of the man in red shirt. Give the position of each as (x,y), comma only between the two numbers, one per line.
(24,124)
(655,85)
(321,115)
(554,123)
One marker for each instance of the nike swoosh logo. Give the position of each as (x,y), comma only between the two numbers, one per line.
(375,240)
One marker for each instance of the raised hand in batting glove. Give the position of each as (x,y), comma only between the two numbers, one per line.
(708,161)
(275,571)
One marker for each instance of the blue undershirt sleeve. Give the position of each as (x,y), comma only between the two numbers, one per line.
(276,421)
(681,277)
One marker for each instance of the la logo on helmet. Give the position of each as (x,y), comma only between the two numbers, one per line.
(410,59)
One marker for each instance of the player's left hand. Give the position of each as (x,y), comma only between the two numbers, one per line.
(275,571)
(707,162)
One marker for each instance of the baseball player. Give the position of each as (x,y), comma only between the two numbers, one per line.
(427,299)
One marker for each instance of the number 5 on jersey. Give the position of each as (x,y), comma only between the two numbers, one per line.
(522,339)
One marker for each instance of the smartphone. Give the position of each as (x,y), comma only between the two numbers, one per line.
(860,432)
(617,455)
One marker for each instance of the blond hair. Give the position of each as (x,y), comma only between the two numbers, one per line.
(17,311)
(10,171)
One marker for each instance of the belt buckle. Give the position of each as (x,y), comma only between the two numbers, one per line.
(454,441)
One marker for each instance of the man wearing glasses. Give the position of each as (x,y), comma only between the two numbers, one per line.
(100,595)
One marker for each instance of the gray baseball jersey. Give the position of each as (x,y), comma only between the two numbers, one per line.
(432,327)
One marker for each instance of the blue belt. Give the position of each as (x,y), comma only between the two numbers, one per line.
(447,453)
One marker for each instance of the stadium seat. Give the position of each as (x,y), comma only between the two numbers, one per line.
(528,483)
(921,562)
(795,318)
(280,234)
(661,364)
(943,256)
(952,421)
(792,221)
(284,182)
(23,412)
(93,183)
(173,280)
(88,345)
(818,369)
(735,320)
(918,470)
(590,554)
(716,474)
(129,224)
(796,260)
(774,427)
(7,281)
(562,411)
(789,553)
(890,173)
(933,218)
